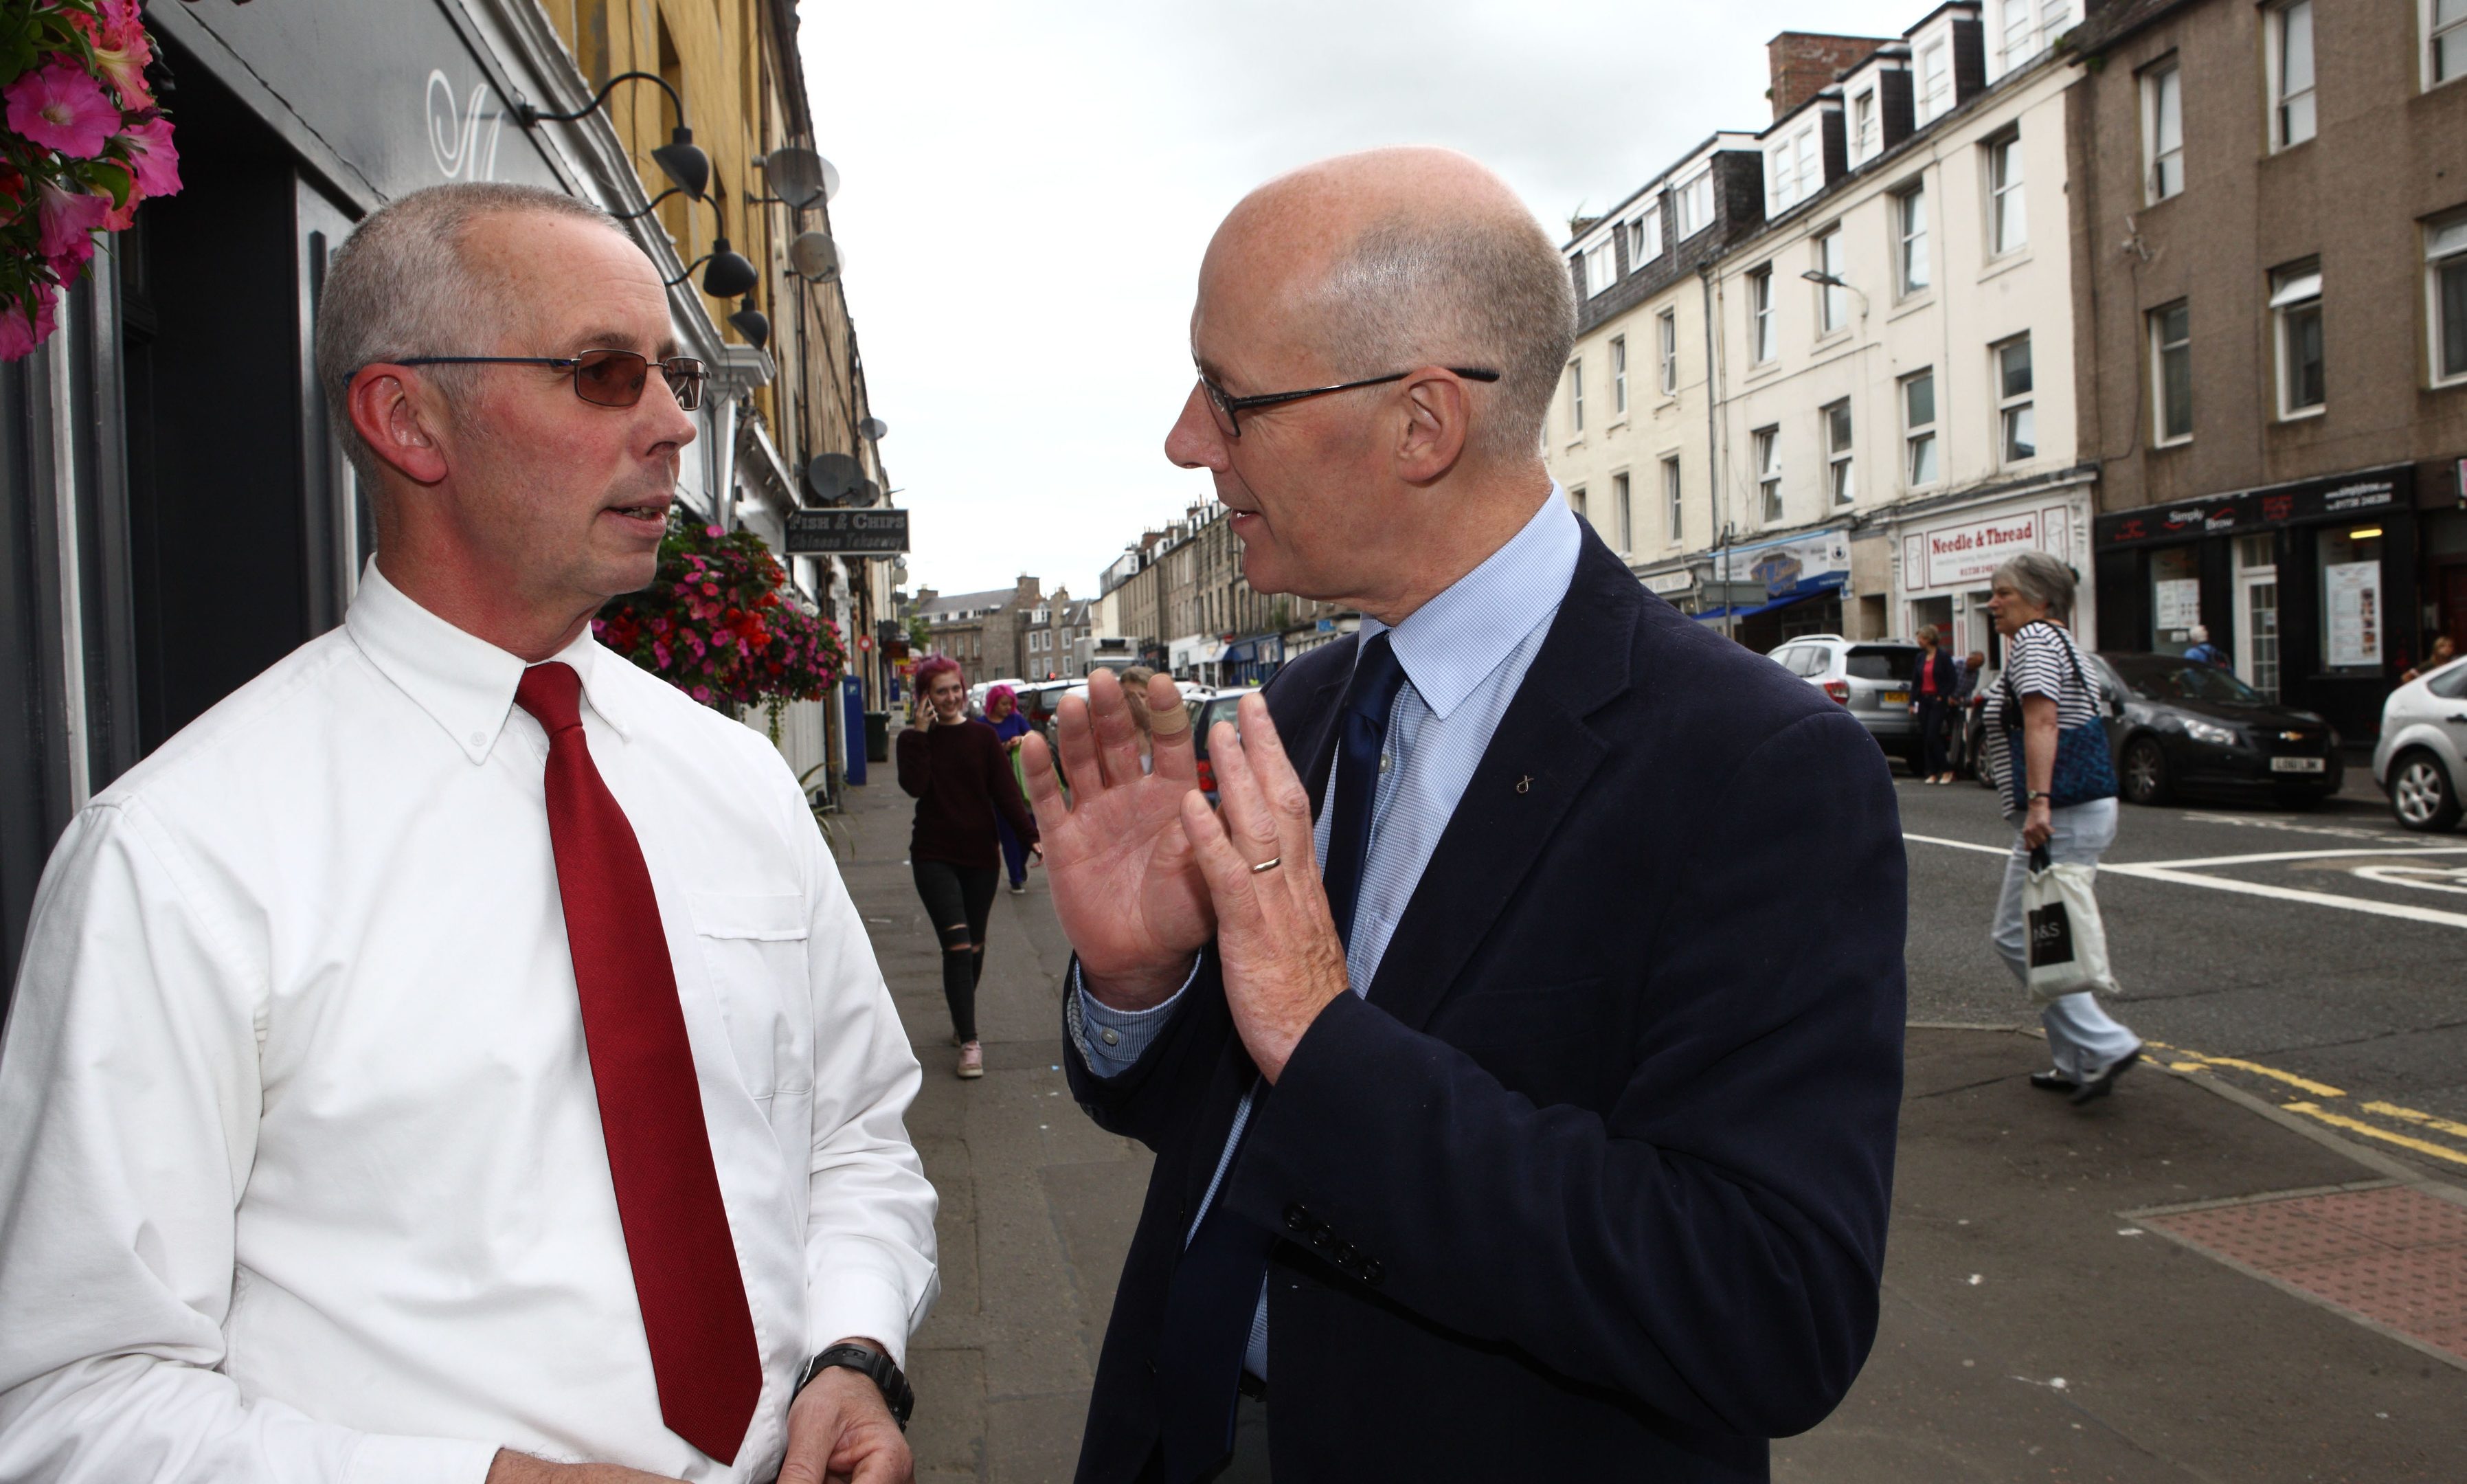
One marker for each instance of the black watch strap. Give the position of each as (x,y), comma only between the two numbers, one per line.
(875,1366)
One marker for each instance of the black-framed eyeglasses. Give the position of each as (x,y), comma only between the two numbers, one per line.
(1229,409)
(604,378)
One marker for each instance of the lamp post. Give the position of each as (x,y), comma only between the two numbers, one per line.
(1826,280)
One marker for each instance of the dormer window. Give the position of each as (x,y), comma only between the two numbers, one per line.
(1934,95)
(1692,201)
(1867,127)
(1645,236)
(1793,169)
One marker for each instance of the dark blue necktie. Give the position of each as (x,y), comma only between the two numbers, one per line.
(1215,1288)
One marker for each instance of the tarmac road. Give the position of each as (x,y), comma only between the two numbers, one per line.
(2326,948)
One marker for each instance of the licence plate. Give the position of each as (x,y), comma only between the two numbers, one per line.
(2296,765)
(1897,698)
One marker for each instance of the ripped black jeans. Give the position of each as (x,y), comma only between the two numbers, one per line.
(959,902)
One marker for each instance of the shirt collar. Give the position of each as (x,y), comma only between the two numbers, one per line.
(464,682)
(1451,644)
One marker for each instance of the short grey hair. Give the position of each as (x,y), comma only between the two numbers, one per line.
(400,286)
(1483,291)
(2048,584)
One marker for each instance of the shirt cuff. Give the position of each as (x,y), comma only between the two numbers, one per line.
(1110,1040)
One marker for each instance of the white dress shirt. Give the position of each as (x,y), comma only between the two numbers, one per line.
(1464,654)
(300,1154)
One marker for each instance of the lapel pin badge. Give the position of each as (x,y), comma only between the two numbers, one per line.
(1525,785)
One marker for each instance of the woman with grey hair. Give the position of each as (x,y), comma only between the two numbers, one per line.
(2046,693)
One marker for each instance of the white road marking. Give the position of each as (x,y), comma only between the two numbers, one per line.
(2452,879)
(2288,826)
(2180,872)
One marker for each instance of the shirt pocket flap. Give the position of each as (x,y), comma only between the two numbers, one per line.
(770,919)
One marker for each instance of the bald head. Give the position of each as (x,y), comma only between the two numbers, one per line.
(1392,258)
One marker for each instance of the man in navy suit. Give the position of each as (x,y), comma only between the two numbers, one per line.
(1521,1039)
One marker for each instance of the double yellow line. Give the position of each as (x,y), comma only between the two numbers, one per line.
(2183,1061)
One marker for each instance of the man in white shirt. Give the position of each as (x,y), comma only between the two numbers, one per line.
(455,1056)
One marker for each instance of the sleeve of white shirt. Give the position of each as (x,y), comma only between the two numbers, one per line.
(129,1110)
(869,1257)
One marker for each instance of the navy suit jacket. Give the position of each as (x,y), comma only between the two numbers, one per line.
(1593,1183)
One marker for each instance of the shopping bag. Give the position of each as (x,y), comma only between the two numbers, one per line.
(2068,941)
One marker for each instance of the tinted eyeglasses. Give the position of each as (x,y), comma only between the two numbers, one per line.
(604,378)
(1228,409)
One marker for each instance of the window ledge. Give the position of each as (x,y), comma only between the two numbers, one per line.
(1924,299)
(2447,383)
(1997,267)
(2171,442)
(1670,399)
(2305,414)
(1830,338)
(1763,369)
(1617,426)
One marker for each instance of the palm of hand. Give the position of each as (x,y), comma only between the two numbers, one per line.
(1125,886)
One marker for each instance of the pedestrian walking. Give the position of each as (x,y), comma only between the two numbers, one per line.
(2203,651)
(2044,696)
(1135,697)
(1931,701)
(1010,724)
(959,774)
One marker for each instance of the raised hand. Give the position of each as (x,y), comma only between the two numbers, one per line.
(1130,899)
(1283,961)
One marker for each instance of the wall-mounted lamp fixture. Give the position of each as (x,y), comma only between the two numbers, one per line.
(680,159)
(753,324)
(727,276)
(1821,278)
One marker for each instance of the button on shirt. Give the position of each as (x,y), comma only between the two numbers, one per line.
(1464,654)
(298,1133)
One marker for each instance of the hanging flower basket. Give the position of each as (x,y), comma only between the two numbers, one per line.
(720,624)
(82,144)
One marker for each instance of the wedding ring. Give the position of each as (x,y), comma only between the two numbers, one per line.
(1269,865)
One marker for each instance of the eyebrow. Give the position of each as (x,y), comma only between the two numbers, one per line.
(623,340)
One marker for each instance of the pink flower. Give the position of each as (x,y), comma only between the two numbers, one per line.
(68,219)
(19,336)
(62,107)
(121,50)
(152,163)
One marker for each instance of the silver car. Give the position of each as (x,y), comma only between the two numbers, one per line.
(2418,762)
(1870,676)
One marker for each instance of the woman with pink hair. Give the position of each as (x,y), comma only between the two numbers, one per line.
(1010,724)
(959,774)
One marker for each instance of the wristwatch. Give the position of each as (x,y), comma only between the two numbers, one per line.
(875,1366)
(2036,794)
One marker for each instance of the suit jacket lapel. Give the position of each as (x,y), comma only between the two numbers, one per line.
(1537,763)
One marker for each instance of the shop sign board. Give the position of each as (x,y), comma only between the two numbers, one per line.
(847,533)
(1664,584)
(1967,556)
(1787,563)
(2320,499)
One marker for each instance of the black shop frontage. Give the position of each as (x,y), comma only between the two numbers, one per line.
(2311,586)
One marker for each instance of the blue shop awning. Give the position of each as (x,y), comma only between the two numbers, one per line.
(1801,595)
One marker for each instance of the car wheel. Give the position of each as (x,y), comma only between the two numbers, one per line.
(2145,772)
(2423,795)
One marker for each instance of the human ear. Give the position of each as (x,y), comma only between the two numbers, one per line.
(1432,438)
(395,418)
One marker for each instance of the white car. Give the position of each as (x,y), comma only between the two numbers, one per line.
(977,692)
(2421,762)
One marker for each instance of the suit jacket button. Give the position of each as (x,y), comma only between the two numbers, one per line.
(1321,1240)
(1370,1272)
(1345,1255)
(1296,1218)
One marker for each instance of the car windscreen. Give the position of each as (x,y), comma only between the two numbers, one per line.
(2160,678)
(1882,662)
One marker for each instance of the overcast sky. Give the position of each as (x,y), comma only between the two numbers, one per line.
(1027,190)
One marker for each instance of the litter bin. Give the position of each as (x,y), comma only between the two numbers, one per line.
(877,736)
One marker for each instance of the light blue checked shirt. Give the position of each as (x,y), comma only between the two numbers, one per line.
(1464,654)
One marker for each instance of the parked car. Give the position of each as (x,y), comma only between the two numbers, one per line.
(2180,725)
(2421,762)
(977,692)
(1206,711)
(1870,677)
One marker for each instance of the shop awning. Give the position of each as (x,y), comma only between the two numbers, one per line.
(1818,587)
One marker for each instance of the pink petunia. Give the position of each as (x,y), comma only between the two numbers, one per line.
(68,219)
(18,336)
(62,107)
(121,50)
(152,161)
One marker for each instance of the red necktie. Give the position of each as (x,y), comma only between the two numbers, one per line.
(703,1352)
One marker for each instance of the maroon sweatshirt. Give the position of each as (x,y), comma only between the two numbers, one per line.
(960,775)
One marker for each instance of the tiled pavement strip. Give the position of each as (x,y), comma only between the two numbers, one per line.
(2046,1315)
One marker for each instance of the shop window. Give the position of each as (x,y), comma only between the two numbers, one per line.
(1918,428)
(2445,274)
(2016,412)
(1838,475)
(2162,129)
(2289,30)
(1768,447)
(2296,304)
(1761,339)
(2175,599)
(2352,622)
(2171,373)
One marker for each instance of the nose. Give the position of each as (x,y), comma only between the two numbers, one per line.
(1193,442)
(668,424)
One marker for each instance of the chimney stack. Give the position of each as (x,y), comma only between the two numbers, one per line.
(1806,63)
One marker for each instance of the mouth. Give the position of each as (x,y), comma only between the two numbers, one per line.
(650,512)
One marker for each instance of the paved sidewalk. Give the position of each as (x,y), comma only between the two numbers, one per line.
(2052,1312)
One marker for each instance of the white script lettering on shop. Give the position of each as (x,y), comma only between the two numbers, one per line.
(454,134)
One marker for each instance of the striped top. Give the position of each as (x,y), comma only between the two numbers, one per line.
(2042,658)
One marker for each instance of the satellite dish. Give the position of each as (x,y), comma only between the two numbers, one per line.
(801,177)
(874,429)
(831,477)
(815,257)
(867,494)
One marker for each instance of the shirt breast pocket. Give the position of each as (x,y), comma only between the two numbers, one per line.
(754,948)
